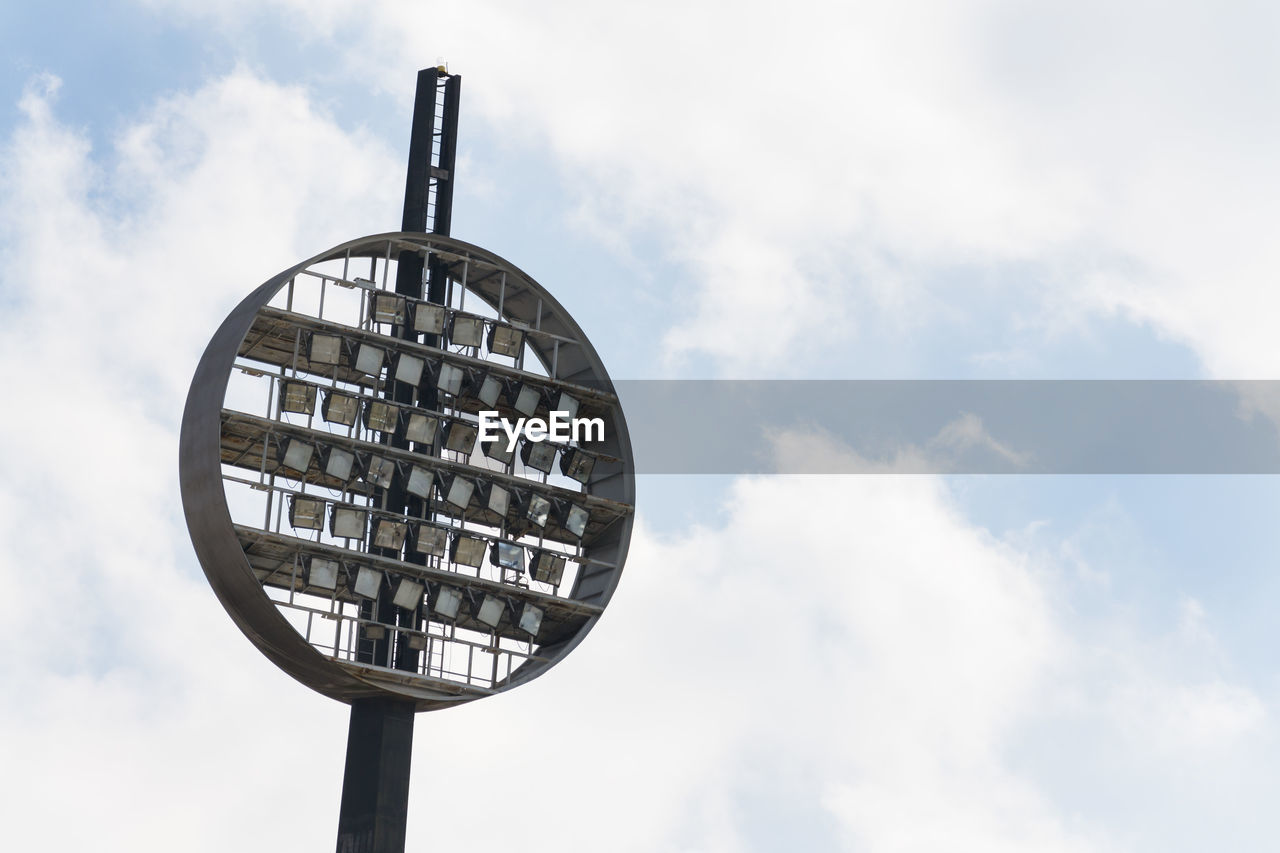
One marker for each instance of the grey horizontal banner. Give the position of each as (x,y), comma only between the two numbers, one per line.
(953,426)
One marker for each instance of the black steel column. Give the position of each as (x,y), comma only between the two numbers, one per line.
(375,785)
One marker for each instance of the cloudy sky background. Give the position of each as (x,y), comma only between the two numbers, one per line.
(894,190)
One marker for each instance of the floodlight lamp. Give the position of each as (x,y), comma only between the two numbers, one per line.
(527,400)
(460,436)
(568,405)
(339,464)
(505,340)
(548,567)
(368,582)
(298,397)
(420,482)
(379,472)
(577,464)
(539,455)
(466,331)
(431,541)
(374,631)
(537,510)
(369,359)
(508,555)
(422,428)
(499,499)
(489,391)
(497,450)
(450,379)
(428,318)
(490,610)
(530,619)
(408,594)
(306,513)
(575,520)
(389,534)
(381,416)
(448,602)
(297,455)
(387,308)
(409,369)
(340,408)
(324,349)
(460,491)
(348,522)
(415,640)
(322,573)
(467,551)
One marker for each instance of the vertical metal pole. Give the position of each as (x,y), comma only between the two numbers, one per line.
(375,785)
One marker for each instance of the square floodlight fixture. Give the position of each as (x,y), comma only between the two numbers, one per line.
(576,464)
(539,455)
(460,491)
(466,331)
(497,450)
(339,464)
(450,379)
(380,416)
(297,455)
(368,582)
(548,567)
(306,513)
(420,482)
(389,534)
(340,408)
(373,631)
(322,573)
(432,541)
(499,499)
(489,391)
(530,619)
(379,472)
(387,308)
(490,610)
(298,397)
(415,641)
(505,340)
(348,522)
(409,369)
(369,359)
(567,404)
(575,520)
(428,318)
(408,594)
(422,428)
(508,555)
(467,551)
(460,436)
(324,349)
(537,510)
(528,399)
(448,602)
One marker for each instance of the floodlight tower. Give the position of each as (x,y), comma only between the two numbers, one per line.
(342,507)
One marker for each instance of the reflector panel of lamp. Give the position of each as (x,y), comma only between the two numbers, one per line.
(575,520)
(381,416)
(409,369)
(380,471)
(324,349)
(527,400)
(490,390)
(505,340)
(508,555)
(297,455)
(448,602)
(340,408)
(389,534)
(548,567)
(297,397)
(306,513)
(538,510)
(450,379)
(466,331)
(419,482)
(539,455)
(387,308)
(368,582)
(339,464)
(322,573)
(490,610)
(348,523)
(460,436)
(408,594)
(577,465)
(497,450)
(369,359)
(431,540)
(499,499)
(460,491)
(530,619)
(374,632)
(422,428)
(428,318)
(468,551)
(565,403)
(417,642)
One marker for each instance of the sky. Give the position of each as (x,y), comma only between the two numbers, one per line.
(977,189)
